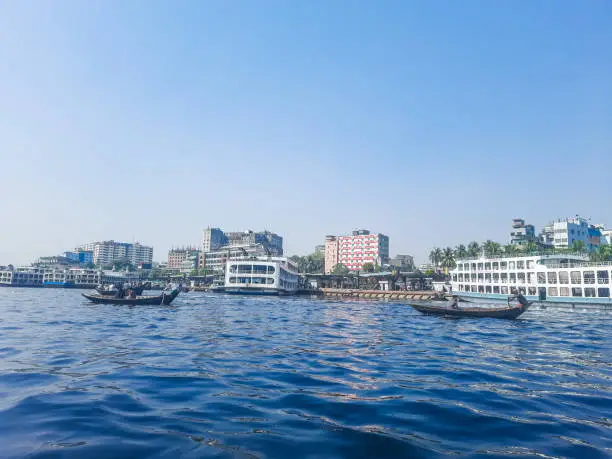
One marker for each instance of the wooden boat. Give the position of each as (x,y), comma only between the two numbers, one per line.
(137,290)
(516,306)
(164,299)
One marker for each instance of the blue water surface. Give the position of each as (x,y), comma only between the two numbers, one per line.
(241,377)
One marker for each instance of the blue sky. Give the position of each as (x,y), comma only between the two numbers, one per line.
(435,122)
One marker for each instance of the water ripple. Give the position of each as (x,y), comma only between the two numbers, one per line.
(233,377)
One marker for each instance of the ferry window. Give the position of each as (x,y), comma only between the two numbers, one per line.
(259,269)
(474,288)
(564,291)
(576,291)
(488,289)
(589,291)
(520,264)
(480,289)
(541,278)
(271,269)
(521,278)
(454,277)
(602,277)
(512,278)
(480,277)
(244,269)
(522,290)
(232,280)
(504,290)
(563,277)
(487,277)
(495,277)
(511,264)
(496,289)
(460,277)
(529,264)
(479,266)
(530,278)
(269,280)
(576,277)
(495,265)
(532,290)
(552,291)
(473,266)
(503,265)
(589,277)
(552,277)
(504,278)
(473,277)
(603,292)
(487,266)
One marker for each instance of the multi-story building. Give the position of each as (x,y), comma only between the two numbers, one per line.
(108,252)
(176,257)
(319,249)
(331,253)
(213,239)
(563,233)
(522,234)
(359,248)
(403,262)
(80,256)
(215,259)
(606,236)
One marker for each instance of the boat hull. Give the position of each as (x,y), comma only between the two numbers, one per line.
(159,300)
(445,309)
(263,292)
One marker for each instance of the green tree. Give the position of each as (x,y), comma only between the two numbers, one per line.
(531,246)
(435,256)
(368,267)
(578,246)
(448,258)
(340,270)
(461,251)
(492,249)
(510,250)
(473,249)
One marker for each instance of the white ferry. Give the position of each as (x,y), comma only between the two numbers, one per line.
(261,276)
(554,278)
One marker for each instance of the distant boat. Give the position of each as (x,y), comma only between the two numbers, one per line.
(158,300)
(452,308)
(261,276)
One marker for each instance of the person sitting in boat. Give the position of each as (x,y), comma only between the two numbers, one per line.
(120,293)
(455,303)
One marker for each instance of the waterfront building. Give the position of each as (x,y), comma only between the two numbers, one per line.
(176,257)
(54,261)
(261,276)
(80,256)
(72,277)
(606,236)
(563,233)
(403,262)
(331,253)
(319,249)
(213,239)
(108,252)
(564,278)
(521,233)
(361,247)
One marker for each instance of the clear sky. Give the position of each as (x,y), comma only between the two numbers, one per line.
(435,122)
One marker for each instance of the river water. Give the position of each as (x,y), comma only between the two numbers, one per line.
(242,377)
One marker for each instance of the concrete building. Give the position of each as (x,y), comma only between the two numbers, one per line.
(563,233)
(331,253)
(213,239)
(606,236)
(319,249)
(357,249)
(521,233)
(177,257)
(80,256)
(108,252)
(403,262)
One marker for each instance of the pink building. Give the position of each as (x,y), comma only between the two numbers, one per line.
(356,250)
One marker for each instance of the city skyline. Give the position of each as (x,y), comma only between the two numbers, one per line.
(433,122)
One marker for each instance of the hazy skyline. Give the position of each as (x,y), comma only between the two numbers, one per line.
(435,123)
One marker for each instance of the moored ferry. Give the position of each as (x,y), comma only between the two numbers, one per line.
(554,278)
(261,276)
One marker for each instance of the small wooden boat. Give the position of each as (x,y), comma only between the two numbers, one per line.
(516,306)
(137,290)
(164,299)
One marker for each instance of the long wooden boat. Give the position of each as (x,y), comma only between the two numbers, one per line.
(164,299)
(452,308)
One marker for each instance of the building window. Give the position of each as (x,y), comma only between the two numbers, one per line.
(576,291)
(603,292)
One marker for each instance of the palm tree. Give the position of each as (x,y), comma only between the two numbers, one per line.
(448,258)
(473,249)
(435,256)
(531,246)
(510,250)
(603,253)
(461,251)
(491,248)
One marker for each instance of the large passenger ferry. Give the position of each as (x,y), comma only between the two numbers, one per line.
(555,278)
(261,276)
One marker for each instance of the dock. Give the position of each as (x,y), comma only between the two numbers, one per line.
(401,295)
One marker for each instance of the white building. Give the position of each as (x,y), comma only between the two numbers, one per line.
(107,252)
